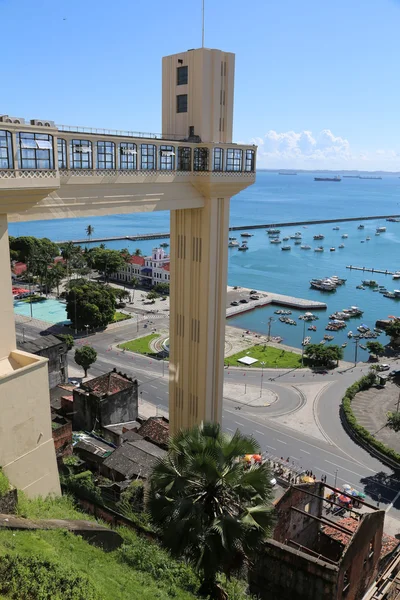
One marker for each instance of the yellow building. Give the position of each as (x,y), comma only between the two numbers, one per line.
(192,169)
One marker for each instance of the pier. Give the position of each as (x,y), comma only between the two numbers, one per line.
(365,269)
(267,298)
(166,235)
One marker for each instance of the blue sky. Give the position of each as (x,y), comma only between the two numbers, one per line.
(317,82)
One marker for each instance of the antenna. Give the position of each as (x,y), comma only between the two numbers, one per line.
(202,29)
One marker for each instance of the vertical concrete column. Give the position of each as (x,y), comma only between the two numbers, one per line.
(7,337)
(199,256)
(94,155)
(15,149)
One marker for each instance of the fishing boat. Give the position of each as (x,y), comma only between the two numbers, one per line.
(341,246)
(243,247)
(363,241)
(306,341)
(308,316)
(247,234)
(286,248)
(272,231)
(382,290)
(325,285)
(296,236)
(312,328)
(389,295)
(345,236)
(275,241)
(305,247)
(322,342)
(337,280)
(353,311)
(363,347)
(282,311)
(319,249)
(360,287)
(319,236)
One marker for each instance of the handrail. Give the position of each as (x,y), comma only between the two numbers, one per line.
(121,133)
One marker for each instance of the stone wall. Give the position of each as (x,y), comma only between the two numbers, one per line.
(295,526)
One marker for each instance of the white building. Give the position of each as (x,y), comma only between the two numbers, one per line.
(149,270)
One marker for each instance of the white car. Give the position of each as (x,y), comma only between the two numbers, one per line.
(273,481)
(383,367)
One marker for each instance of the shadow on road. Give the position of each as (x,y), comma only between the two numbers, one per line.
(383,488)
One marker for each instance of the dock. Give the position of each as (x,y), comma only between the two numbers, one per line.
(367,270)
(166,235)
(267,298)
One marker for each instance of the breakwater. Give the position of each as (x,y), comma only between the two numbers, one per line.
(166,235)
(381,271)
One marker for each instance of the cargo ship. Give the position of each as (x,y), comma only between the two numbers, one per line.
(336,178)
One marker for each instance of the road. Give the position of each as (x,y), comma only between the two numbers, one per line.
(338,457)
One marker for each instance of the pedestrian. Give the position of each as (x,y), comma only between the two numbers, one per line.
(315,477)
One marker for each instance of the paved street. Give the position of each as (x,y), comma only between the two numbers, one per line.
(322,446)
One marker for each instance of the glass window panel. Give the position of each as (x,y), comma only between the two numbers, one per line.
(250,161)
(218,159)
(200,159)
(181,75)
(234,159)
(184,159)
(81,154)
(181,103)
(62,153)
(148,152)
(105,155)
(35,150)
(167,158)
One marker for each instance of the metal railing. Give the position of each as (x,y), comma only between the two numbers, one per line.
(121,133)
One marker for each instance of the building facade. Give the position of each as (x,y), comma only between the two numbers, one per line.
(148,270)
(56,351)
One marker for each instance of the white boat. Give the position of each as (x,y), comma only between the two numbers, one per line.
(319,236)
(285,239)
(275,241)
(246,234)
(380,229)
(243,247)
(319,249)
(305,247)
(306,341)
(367,239)
(377,233)
(297,242)
(396,275)
(233,243)
(345,236)
(332,249)
(286,248)
(341,246)
(335,228)
(296,236)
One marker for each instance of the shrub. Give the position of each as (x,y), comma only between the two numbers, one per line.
(31,578)
(4,484)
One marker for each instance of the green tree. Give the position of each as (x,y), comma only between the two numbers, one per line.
(152,295)
(210,508)
(122,294)
(375,348)
(106,261)
(55,276)
(85,357)
(68,339)
(393,421)
(392,329)
(90,303)
(68,251)
(137,252)
(89,231)
(134,282)
(323,356)
(162,288)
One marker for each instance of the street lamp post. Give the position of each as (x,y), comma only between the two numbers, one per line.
(302,343)
(356,342)
(262,377)
(336,473)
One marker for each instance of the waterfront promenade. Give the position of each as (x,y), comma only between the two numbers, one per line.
(166,235)
(266,298)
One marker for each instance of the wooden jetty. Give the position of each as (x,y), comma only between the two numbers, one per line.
(367,270)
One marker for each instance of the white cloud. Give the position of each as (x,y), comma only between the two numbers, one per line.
(323,150)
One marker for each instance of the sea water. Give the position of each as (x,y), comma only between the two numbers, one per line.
(277,198)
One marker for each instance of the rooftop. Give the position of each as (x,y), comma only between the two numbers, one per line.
(40,343)
(155,429)
(389,543)
(135,458)
(107,384)
(137,260)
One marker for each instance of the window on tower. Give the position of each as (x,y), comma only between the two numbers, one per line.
(181,103)
(181,76)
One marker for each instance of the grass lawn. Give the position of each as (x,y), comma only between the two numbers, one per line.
(119,316)
(140,345)
(272,357)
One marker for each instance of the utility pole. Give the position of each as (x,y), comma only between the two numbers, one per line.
(336,472)
(202,25)
(270,320)
(262,376)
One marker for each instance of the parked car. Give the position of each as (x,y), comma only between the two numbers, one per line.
(395,373)
(383,367)
(235,303)
(253,292)
(254,297)
(243,301)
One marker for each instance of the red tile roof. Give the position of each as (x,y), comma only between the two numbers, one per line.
(156,430)
(19,268)
(110,383)
(389,543)
(137,260)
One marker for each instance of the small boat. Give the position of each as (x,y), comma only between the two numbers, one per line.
(286,248)
(350,334)
(345,236)
(243,247)
(273,231)
(344,345)
(319,236)
(363,347)
(277,339)
(319,249)
(247,234)
(341,246)
(360,287)
(367,239)
(233,243)
(360,227)
(305,247)
(306,341)
(312,328)
(390,295)
(363,241)
(322,342)
(329,338)
(297,242)
(380,229)
(285,239)
(396,275)
(377,233)
(332,249)
(382,290)
(275,241)
(164,245)
(335,228)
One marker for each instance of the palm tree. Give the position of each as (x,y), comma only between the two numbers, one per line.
(67,252)
(209,507)
(138,252)
(89,231)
